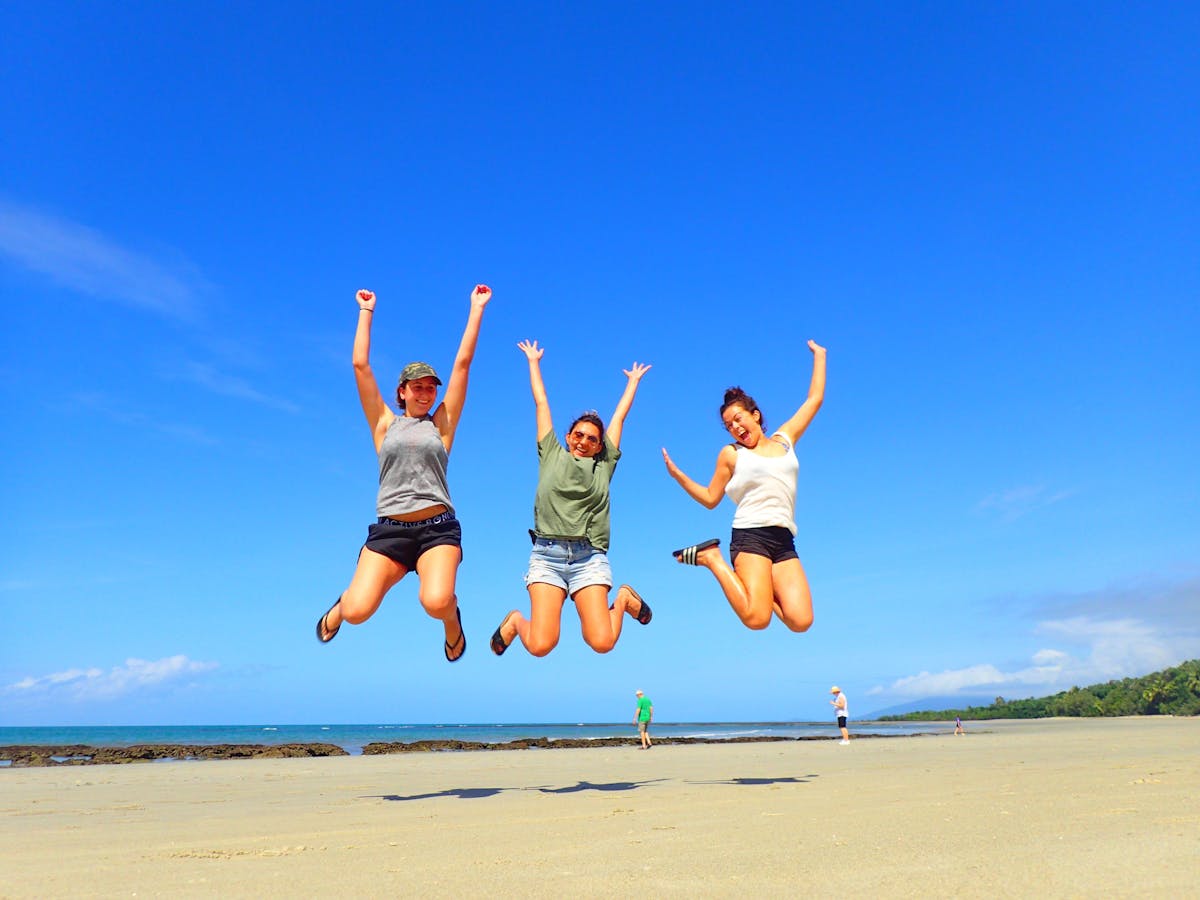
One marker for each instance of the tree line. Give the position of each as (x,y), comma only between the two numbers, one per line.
(1171,692)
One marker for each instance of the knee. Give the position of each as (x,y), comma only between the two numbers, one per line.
(757,621)
(801,624)
(353,609)
(540,648)
(601,644)
(438,603)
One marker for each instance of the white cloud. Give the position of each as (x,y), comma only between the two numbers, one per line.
(99,684)
(1099,650)
(83,259)
(232,386)
(1015,502)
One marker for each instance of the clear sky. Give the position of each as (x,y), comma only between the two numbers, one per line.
(987,212)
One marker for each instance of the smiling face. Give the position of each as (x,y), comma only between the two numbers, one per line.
(743,425)
(418,396)
(584,440)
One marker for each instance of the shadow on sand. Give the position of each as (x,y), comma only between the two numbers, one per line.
(483,792)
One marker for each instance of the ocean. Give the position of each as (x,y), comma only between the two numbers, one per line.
(352,738)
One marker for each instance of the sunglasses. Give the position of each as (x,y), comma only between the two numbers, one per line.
(585,437)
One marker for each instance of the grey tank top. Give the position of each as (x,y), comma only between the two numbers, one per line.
(412,467)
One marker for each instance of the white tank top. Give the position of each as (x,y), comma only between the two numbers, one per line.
(764,487)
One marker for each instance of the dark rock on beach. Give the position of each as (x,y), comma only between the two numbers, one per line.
(80,754)
(380,747)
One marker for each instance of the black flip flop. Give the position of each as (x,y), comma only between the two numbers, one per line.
(462,638)
(644,613)
(498,644)
(324,635)
(687,555)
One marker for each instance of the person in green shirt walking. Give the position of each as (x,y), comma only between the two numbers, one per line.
(571,527)
(643,717)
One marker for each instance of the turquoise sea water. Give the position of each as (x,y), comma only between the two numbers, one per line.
(353,737)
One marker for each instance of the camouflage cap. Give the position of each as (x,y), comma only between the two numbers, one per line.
(415,370)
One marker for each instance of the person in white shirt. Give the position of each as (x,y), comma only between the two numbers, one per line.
(758,471)
(842,710)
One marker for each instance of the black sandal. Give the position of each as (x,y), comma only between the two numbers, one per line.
(498,643)
(462,639)
(644,613)
(324,635)
(687,555)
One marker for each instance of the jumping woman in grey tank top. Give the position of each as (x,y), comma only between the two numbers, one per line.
(416,527)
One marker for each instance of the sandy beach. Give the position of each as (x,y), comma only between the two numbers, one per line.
(1062,808)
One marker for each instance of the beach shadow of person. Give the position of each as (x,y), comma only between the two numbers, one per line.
(791,779)
(460,793)
(589,786)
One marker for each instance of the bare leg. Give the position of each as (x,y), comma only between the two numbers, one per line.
(374,576)
(540,632)
(747,586)
(601,626)
(793,599)
(437,568)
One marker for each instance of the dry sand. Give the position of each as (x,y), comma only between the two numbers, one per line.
(1059,808)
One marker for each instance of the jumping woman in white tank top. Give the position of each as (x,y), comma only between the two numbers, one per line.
(758,471)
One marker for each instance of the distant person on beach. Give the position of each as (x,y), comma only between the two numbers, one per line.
(416,527)
(758,472)
(842,711)
(571,527)
(642,718)
(958,729)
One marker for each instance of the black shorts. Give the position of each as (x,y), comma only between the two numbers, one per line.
(774,542)
(404,542)
(841,721)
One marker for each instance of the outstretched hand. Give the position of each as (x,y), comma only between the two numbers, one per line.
(366,299)
(815,347)
(531,350)
(638,370)
(481,295)
(672,469)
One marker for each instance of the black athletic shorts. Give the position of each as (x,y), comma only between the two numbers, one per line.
(404,542)
(774,542)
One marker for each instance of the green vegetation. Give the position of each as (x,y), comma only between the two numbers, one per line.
(1171,692)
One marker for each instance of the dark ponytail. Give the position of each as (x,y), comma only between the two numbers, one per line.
(735,395)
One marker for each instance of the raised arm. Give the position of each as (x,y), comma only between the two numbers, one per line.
(617,422)
(379,416)
(709,496)
(796,425)
(541,402)
(448,415)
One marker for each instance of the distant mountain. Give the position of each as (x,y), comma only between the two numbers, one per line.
(1172,692)
(927,703)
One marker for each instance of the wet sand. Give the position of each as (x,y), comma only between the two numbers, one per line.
(1061,808)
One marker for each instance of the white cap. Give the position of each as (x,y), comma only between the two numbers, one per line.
(637,692)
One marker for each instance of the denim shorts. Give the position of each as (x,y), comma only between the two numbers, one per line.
(404,542)
(774,542)
(570,565)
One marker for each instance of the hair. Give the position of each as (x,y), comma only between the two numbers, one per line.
(736,395)
(590,416)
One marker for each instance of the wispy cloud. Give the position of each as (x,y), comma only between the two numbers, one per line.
(116,411)
(1091,650)
(108,684)
(227,385)
(83,259)
(1014,503)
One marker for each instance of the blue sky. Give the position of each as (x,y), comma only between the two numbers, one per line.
(987,213)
